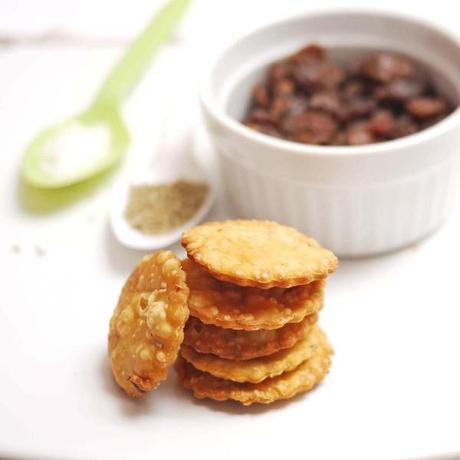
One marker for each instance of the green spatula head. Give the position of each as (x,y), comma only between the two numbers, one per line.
(75,150)
(93,142)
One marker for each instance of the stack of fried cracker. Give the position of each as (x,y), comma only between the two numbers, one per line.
(256,288)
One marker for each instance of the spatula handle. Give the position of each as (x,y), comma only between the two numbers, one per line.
(135,61)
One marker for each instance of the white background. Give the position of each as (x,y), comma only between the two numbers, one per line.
(393,391)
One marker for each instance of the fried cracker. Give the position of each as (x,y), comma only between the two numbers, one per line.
(285,386)
(243,345)
(257,253)
(258,369)
(146,329)
(234,307)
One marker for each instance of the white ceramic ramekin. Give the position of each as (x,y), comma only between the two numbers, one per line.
(356,201)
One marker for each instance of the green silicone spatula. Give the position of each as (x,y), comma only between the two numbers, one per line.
(94,141)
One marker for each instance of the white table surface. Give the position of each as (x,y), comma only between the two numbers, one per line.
(393,391)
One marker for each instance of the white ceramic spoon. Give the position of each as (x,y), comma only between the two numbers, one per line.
(175,160)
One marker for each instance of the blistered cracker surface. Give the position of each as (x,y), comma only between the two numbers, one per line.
(258,369)
(146,329)
(242,345)
(233,307)
(285,386)
(257,253)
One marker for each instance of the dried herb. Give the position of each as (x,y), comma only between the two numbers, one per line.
(159,208)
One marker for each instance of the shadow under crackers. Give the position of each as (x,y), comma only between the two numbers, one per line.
(131,407)
(138,407)
(171,389)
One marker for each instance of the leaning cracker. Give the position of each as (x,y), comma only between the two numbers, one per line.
(258,253)
(285,386)
(234,307)
(258,369)
(243,345)
(146,329)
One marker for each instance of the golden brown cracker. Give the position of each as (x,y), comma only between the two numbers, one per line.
(234,307)
(285,386)
(258,369)
(257,253)
(242,345)
(146,329)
